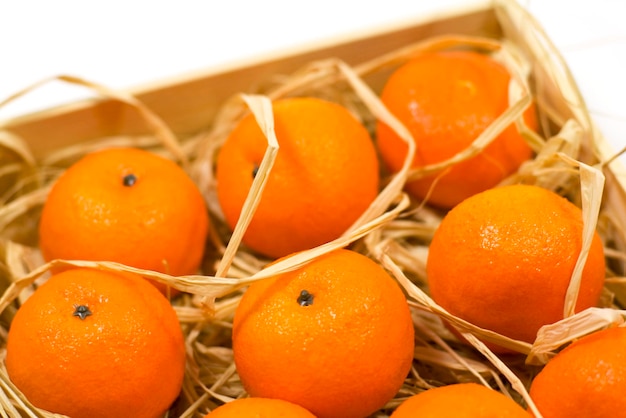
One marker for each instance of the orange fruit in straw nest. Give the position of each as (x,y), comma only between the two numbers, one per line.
(446,99)
(259,408)
(503,258)
(334,336)
(460,400)
(586,379)
(324,177)
(129,206)
(90,343)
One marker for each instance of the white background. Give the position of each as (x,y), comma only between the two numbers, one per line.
(125,44)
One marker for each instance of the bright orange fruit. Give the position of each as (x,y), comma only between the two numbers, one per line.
(334,336)
(129,206)
(259,408)
(502,260)
(90,343)
(446,99)
(586,379)
(461,400)
(324,177)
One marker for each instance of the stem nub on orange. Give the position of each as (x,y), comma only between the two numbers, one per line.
(334,336)
(446,99)
(90,343)
(586,379)
(503,259)
(129,206)
(324,177)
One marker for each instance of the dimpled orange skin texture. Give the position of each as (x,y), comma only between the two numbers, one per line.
(503,259)
(125,359)
(259,408)
(345,355)
(160,223)
(461,400)
(586,379)
(324,177)
(446,99)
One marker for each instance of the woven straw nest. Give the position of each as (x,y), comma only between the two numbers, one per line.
(395,230)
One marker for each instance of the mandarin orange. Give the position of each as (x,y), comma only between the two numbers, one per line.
(586,379)
(334,336)
(129,206)
(460,400)
(503,258)
(446,99)
(259,408)
(324,177)
(96,344)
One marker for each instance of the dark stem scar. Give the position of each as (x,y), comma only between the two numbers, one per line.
(129,180)
(81,311)
(305,298)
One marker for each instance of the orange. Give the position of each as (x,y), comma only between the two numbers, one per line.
(129,206)
(324,177)
(586,379)
(460,400)
(259,408)
(446,99)
(90,343)
(334,336)
(502,260)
